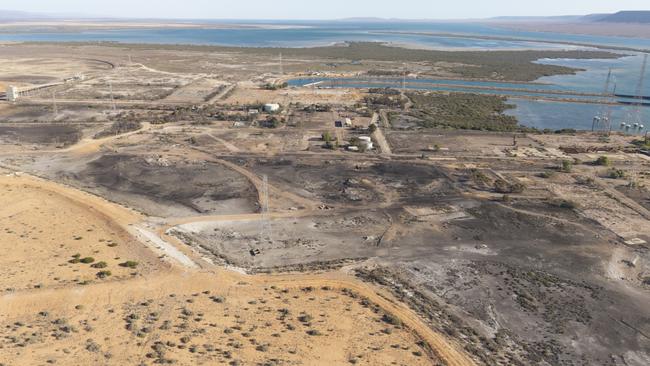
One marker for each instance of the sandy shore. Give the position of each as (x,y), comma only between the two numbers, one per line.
(596,29)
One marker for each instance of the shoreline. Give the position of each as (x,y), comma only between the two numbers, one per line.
(119,25)
(516,39)
(620,30)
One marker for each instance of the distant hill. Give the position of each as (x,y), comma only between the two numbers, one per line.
(21,16)
(10,15)
(594,17)
(626,17)
(515,19)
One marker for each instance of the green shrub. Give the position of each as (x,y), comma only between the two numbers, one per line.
(561,203)
(478,176)
(616,174)
(585,181)
(305,318)
(603,161)
(87,260)
(100,265)
(502,186)
(129,264)
(392,320)
(103,274)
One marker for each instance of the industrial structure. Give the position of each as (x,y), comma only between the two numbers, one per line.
(365,142)
(12,93)
(634,120)
(602,122)
(271,107)
(637,122)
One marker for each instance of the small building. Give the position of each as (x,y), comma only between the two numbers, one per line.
(338,124)
(366,143)
(271,107)
(12,93)
(348,122)
(353,148)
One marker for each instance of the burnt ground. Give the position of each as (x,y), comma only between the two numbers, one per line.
(292,242)
(41,134)
(516,288)
(523,290)
(640,196)
(159,186)
(521,282)
(350,182)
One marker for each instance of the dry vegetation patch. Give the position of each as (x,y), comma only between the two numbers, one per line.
(49,240)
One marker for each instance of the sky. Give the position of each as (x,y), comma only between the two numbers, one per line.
(323,9)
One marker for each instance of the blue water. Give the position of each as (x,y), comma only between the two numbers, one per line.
(323,33)
(269,38)
(556,90)
(559,115)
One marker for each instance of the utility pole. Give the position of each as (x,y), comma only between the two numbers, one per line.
(110,87)
(639,91)
(265,232)
(603,120)
(54,107)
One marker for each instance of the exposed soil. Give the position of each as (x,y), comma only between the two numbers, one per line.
(184,186)
(61,135)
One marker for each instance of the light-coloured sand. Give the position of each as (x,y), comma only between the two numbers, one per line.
(201,320)
(42,230)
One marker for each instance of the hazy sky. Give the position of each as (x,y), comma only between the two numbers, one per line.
(324,9)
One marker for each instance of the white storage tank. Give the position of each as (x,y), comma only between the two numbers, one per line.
(271,107)
(12,93)
(366,143)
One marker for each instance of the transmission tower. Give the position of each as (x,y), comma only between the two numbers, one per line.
(602,122)
(638,118)
(265,230)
